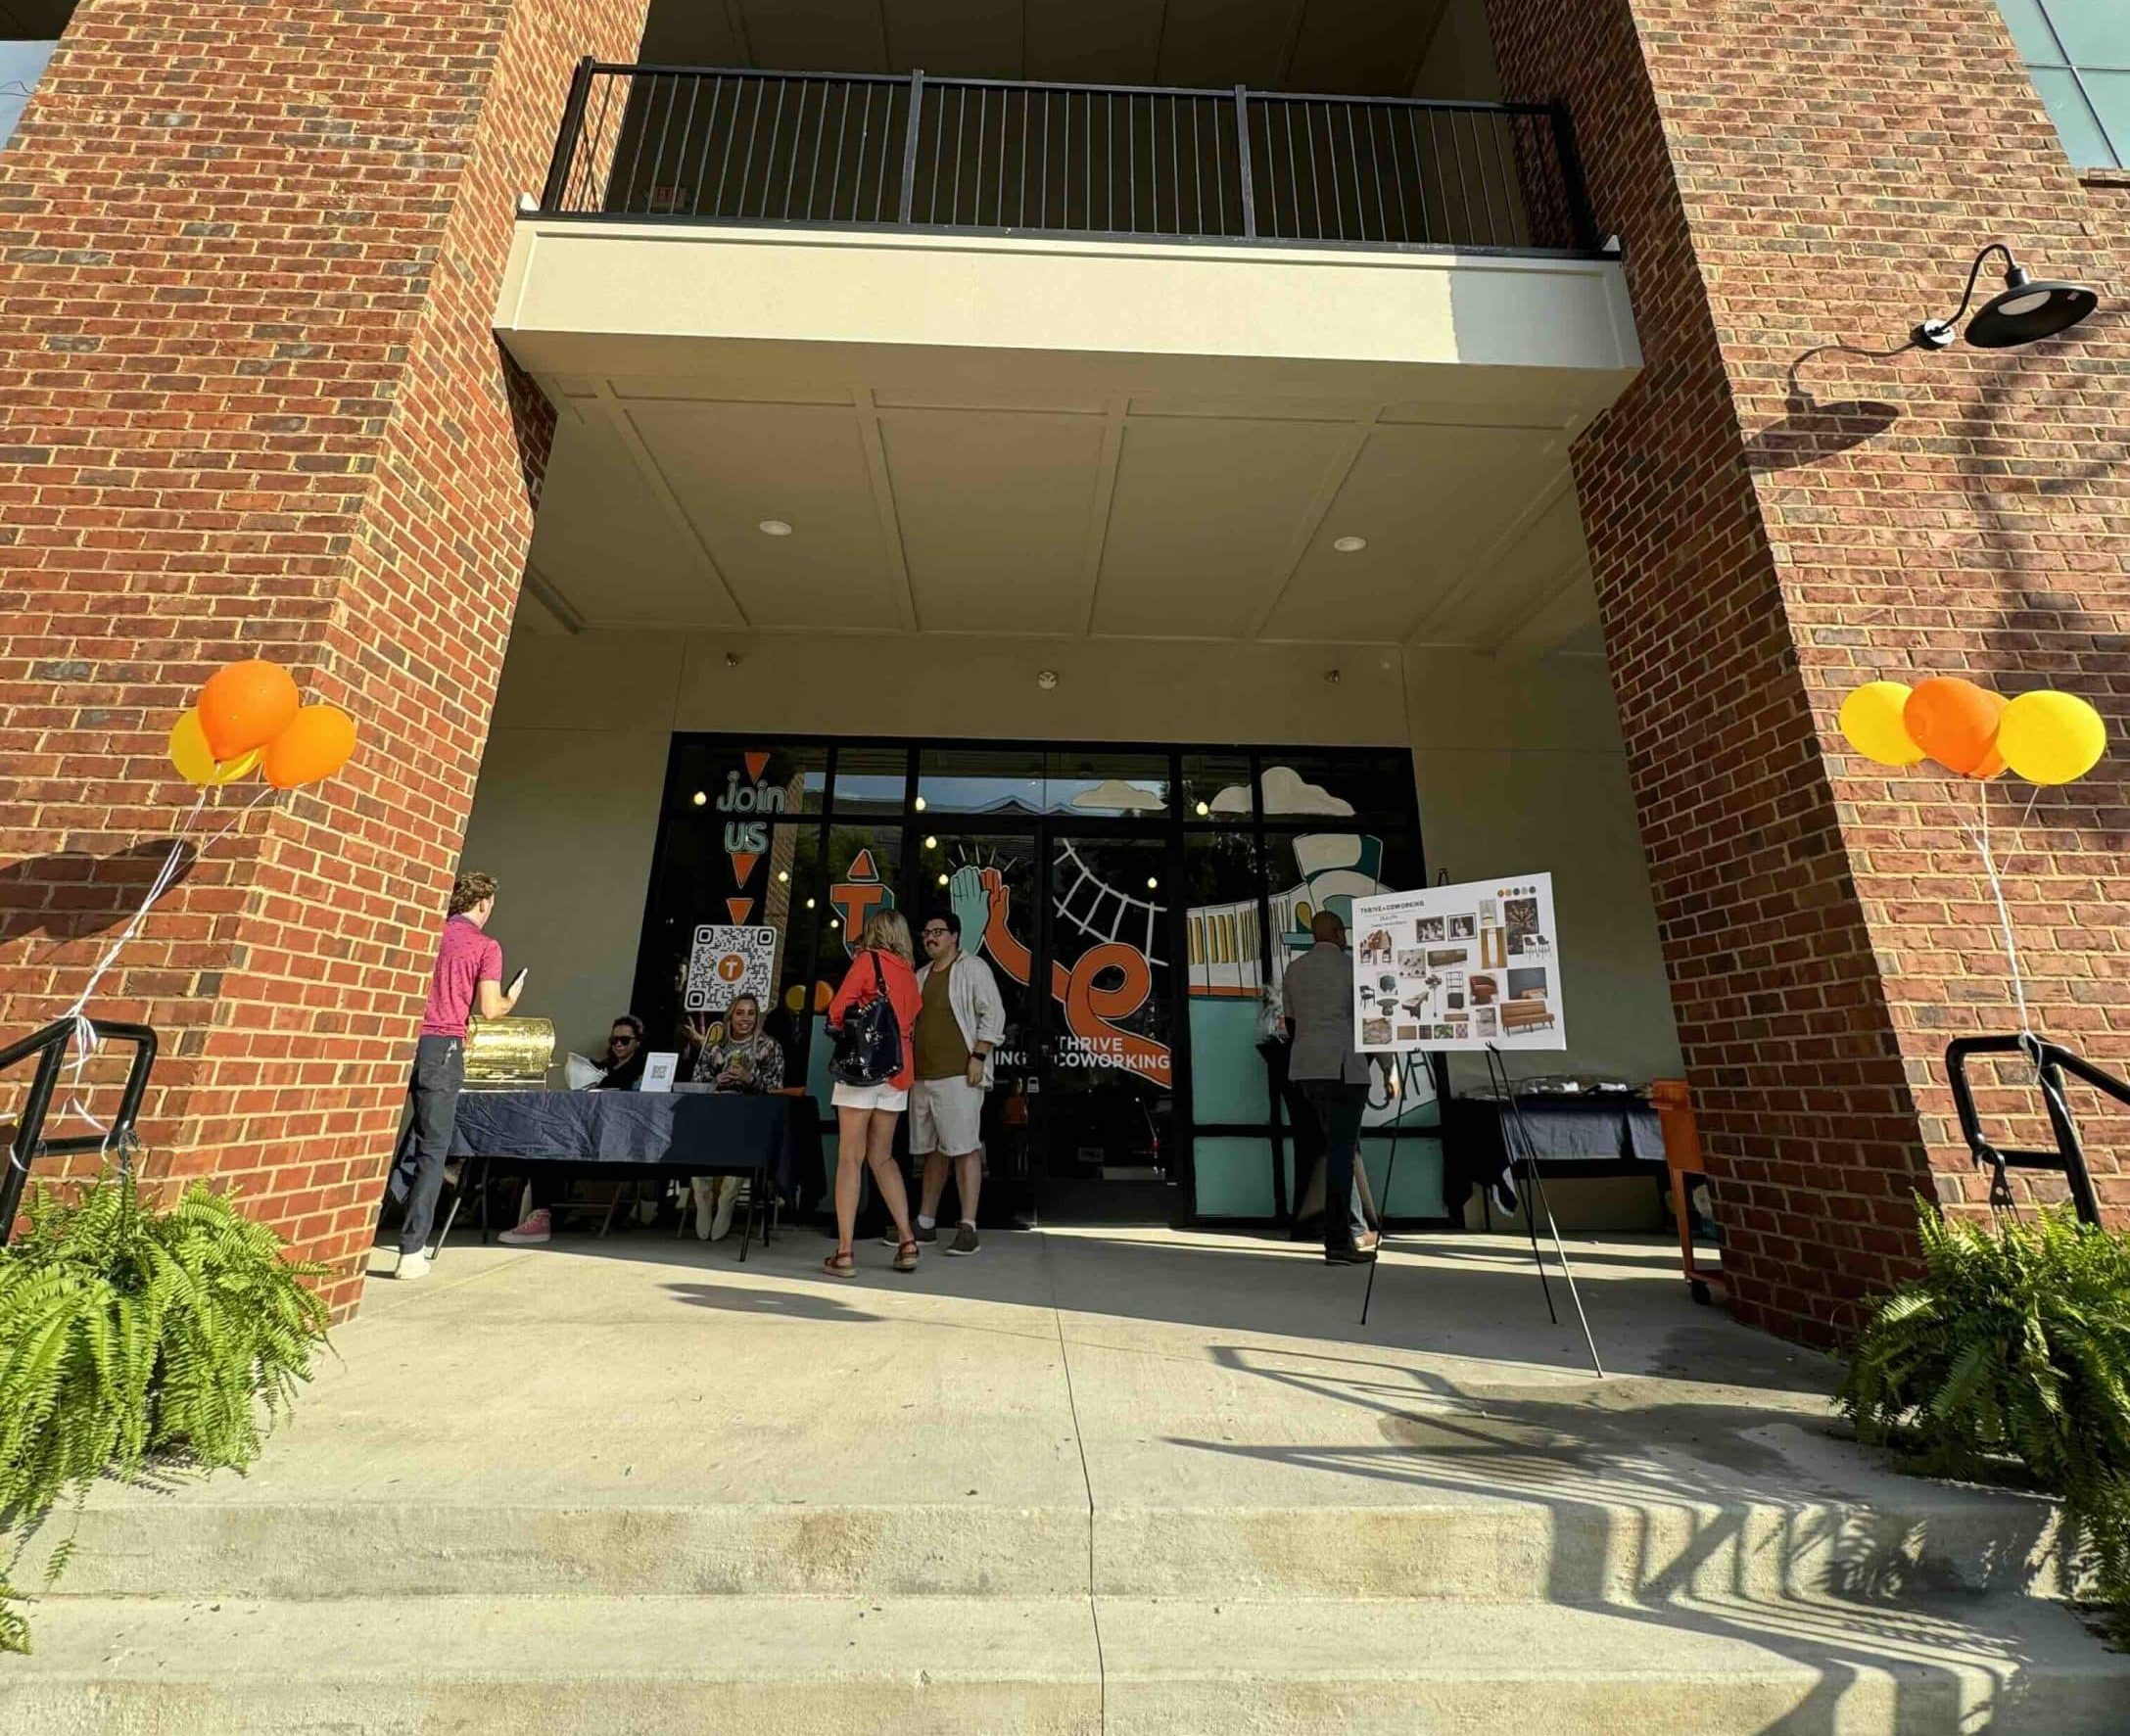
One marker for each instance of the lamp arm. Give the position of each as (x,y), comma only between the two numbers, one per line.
(1974,276)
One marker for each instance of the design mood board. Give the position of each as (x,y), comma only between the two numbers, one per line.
(1459,968)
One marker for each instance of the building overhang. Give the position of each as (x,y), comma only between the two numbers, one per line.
(1061,434)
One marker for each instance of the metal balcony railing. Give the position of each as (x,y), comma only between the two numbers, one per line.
(713,146)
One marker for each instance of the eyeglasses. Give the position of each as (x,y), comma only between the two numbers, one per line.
(625,1041)
(934,933)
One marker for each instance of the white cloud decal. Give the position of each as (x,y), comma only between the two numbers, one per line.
(1114,794)
(1285,791)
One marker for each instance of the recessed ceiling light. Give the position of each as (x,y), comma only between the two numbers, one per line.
(1343,544)
(774,527)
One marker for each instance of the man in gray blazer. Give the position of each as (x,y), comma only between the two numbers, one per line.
(1318,1001)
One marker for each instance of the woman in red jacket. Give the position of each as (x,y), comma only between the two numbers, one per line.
(865,1115)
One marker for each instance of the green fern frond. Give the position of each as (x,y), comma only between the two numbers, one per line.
(2014,1344)
(129,1328)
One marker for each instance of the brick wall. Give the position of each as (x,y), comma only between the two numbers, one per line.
(1783,176)
(249,255)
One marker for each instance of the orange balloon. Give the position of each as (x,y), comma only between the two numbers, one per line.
(315,745)
(1955,722)
(246,705)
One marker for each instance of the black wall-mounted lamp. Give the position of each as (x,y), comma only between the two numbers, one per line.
(2025,311)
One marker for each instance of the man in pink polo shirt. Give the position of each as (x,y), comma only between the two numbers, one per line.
(468,979)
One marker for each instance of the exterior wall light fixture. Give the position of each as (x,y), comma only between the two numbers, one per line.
(2024,311)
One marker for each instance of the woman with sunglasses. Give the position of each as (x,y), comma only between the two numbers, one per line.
(865,1115)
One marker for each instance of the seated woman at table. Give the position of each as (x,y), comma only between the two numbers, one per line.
(621,1068)
(737,1055)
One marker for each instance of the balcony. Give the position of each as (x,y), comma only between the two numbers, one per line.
(990,157)
(1062,359)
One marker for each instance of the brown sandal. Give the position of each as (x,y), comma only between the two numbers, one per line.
(840,1265)
(905,1256)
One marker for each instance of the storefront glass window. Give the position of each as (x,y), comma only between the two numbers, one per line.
(981,780)
(1217,786)
(1105,783)
(1224,941)
(2078,52)
(1085,876)
(871,779)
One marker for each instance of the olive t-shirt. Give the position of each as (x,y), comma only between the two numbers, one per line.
(940,1052)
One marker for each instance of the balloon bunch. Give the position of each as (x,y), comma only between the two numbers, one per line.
(249,718)
(2045,737)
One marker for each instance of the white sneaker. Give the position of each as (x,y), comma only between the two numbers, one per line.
(411,1265)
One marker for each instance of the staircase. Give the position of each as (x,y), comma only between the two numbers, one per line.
(1079,1489)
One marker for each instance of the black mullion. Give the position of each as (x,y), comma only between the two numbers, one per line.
(1183,1113)
(1275,1106)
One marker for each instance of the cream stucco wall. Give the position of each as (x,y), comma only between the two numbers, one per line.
(1518,766)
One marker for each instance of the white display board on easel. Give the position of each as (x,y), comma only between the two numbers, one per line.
(1463,968)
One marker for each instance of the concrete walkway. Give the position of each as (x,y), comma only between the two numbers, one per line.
(1187,1485)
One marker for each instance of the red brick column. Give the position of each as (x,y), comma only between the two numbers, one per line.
(249,255)
(1785,176)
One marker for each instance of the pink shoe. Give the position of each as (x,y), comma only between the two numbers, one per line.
(537,1227)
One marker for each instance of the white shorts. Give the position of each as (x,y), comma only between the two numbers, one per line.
(945,1115)
(869,1097)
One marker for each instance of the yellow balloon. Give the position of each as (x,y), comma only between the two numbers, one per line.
(1872,723)
(196,763)
(2051,737)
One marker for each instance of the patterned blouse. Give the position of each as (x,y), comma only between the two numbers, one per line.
(759,1061)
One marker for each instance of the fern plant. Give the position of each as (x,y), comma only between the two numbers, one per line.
(129,1330)
(2013,1347)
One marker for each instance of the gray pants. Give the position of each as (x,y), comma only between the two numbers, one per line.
(440,1069)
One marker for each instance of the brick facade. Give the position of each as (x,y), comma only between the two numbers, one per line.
(1783,176)
(249,255)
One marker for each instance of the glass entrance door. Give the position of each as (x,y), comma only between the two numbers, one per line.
(1107,1128)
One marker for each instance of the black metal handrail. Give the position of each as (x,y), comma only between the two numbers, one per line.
(720,145)
(50,1047)
(2052,1060)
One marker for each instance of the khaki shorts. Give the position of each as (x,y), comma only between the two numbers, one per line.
(945,1115)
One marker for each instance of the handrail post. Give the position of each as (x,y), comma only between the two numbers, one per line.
(2083,1196)
(1242,162)
(906,213)
(1580,214)
(567,139)
(29,1135)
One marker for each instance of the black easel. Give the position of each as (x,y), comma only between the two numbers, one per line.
(1524,1153)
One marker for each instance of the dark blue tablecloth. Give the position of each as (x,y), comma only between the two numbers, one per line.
(700,1132)
(1605,1130)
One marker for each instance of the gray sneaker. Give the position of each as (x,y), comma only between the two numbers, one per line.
(888,1238)
(966,1241)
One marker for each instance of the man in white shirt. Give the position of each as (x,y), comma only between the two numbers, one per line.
(962,1021)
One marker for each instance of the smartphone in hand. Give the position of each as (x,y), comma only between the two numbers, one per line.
(517,982)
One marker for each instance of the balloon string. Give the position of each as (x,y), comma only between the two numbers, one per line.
(1981,839)
(85,1040)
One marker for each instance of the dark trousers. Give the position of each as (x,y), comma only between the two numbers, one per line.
(1339,1108)
(440,1069)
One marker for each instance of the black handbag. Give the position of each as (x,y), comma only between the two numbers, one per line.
(869,1042)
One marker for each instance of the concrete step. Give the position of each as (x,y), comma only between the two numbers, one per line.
(1059,1666)
(1579,1548)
